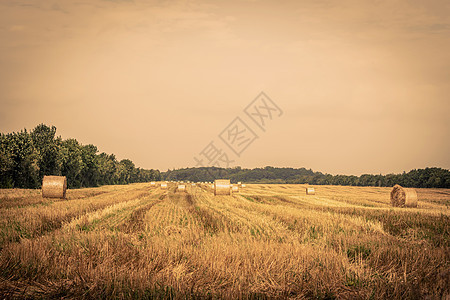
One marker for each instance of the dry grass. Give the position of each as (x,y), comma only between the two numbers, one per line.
(269,241)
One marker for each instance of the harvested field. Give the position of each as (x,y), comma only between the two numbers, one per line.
(273,241)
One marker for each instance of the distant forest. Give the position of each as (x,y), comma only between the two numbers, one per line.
(25,157)
(421,178)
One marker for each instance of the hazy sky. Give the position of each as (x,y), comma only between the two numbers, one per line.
(363,85)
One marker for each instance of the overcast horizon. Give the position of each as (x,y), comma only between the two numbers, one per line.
(361,86)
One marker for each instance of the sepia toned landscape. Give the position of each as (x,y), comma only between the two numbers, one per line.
(239,149)
(265,241)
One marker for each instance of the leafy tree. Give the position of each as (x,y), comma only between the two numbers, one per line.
(107,168)
(71,162)
(89,172)
(18,161)
(6,163)
(46,145)
(126,171)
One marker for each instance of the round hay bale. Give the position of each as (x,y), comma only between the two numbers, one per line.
(164,185)
(181,188)
(310,191)
(403,197)
(243,185)
(235,188)
(222,187)
(54,187)
(152,183)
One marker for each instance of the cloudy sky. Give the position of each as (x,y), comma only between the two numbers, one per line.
(363,85)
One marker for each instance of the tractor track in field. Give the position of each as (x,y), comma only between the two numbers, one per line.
(136,221)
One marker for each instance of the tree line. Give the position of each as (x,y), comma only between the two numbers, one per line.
(25,157)
(420,178)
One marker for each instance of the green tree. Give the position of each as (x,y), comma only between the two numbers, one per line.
(18,162)
(107,168)
(126,171)
(71,162)
(47,147)
(89,173)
